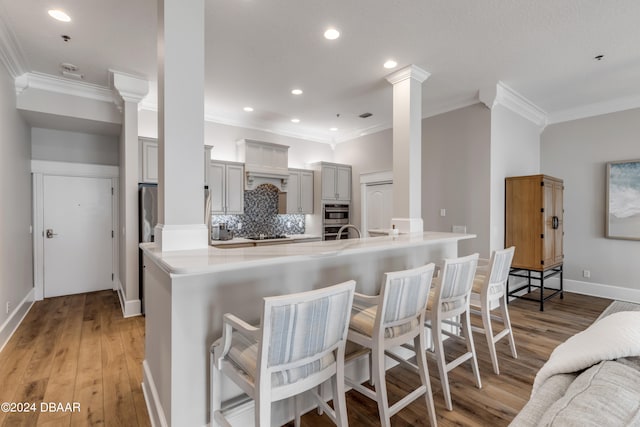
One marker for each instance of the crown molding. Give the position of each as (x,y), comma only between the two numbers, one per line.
(230,122)
(64,86)
(595,109)
(503,95)
(463,103)
(11,54)
(145,104)
(408,72)
(127,87)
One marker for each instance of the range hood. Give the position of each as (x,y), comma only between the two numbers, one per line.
(264,163)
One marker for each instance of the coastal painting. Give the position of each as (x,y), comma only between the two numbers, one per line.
(623,200)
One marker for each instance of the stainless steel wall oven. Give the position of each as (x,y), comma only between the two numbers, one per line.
(334,216)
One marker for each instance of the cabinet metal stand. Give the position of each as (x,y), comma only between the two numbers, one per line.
(541,276)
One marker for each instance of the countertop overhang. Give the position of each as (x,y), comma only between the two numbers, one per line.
(211,259)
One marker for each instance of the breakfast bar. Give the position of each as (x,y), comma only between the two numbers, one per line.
(187,293)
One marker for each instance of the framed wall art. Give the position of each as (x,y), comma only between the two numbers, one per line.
(623,200)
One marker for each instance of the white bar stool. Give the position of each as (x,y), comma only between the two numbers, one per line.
(490,293)
(448,302)
(390,319)
(300,346)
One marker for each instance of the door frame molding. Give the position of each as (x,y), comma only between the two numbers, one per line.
(42,168)
(366,179)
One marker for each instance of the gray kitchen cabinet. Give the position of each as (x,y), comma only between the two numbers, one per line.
(336,181)
(226,185)
(148,160)
(300,192)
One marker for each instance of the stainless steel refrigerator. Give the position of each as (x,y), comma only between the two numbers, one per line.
(147,220)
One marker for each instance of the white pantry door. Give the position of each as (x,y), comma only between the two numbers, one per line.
(78,244)
(379,206)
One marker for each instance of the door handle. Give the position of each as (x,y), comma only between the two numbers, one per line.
(50,233)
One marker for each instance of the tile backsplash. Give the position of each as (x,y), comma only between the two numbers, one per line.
(261,215)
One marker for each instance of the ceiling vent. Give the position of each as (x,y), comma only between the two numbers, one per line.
(71,71)
(365,115)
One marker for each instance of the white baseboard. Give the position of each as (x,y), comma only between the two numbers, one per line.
(154,407)
(130,308)
(9,327)
(598,290)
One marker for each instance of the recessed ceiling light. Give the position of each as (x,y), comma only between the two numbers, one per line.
(331,34)
(390,64)
(295,120)
(333,129)
(248,109)
(59,15)
(296,91)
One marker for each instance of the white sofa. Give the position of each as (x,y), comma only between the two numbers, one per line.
(593,379)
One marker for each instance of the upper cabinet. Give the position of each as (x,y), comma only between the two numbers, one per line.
(300,192)
(226,185)
(336,181)
(148,160)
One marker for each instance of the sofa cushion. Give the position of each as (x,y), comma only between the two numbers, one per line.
(605,394)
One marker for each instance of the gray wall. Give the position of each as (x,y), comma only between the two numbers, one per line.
(456,174)
(76,147)
(16,276)
(577,151)
(515,151)
(371,153)
(455,171)
(224,138)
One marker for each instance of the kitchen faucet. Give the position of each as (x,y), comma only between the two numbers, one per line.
(345,227)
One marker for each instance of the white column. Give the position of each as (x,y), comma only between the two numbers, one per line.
(130,91)
(180,125)
(407,148)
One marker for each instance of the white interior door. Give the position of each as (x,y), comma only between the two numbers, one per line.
(77,218)
(379,203)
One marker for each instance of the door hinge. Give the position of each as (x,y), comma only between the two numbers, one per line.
(112,277)
(541,210)
(542,183)
(112,191)
(541,262)
(542,236)
(112,234)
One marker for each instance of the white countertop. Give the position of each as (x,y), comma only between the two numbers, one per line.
(211,259)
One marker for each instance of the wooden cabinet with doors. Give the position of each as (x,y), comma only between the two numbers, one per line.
(534,225)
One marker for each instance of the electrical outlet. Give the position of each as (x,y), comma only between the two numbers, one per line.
(443,212)
(586,273)
(8,307)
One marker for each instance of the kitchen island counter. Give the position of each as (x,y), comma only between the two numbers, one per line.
(214,259)
(188,292)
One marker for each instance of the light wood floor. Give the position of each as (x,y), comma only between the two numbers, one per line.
(76,348)
(80,349)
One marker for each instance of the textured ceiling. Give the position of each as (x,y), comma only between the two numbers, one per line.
(257,51)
